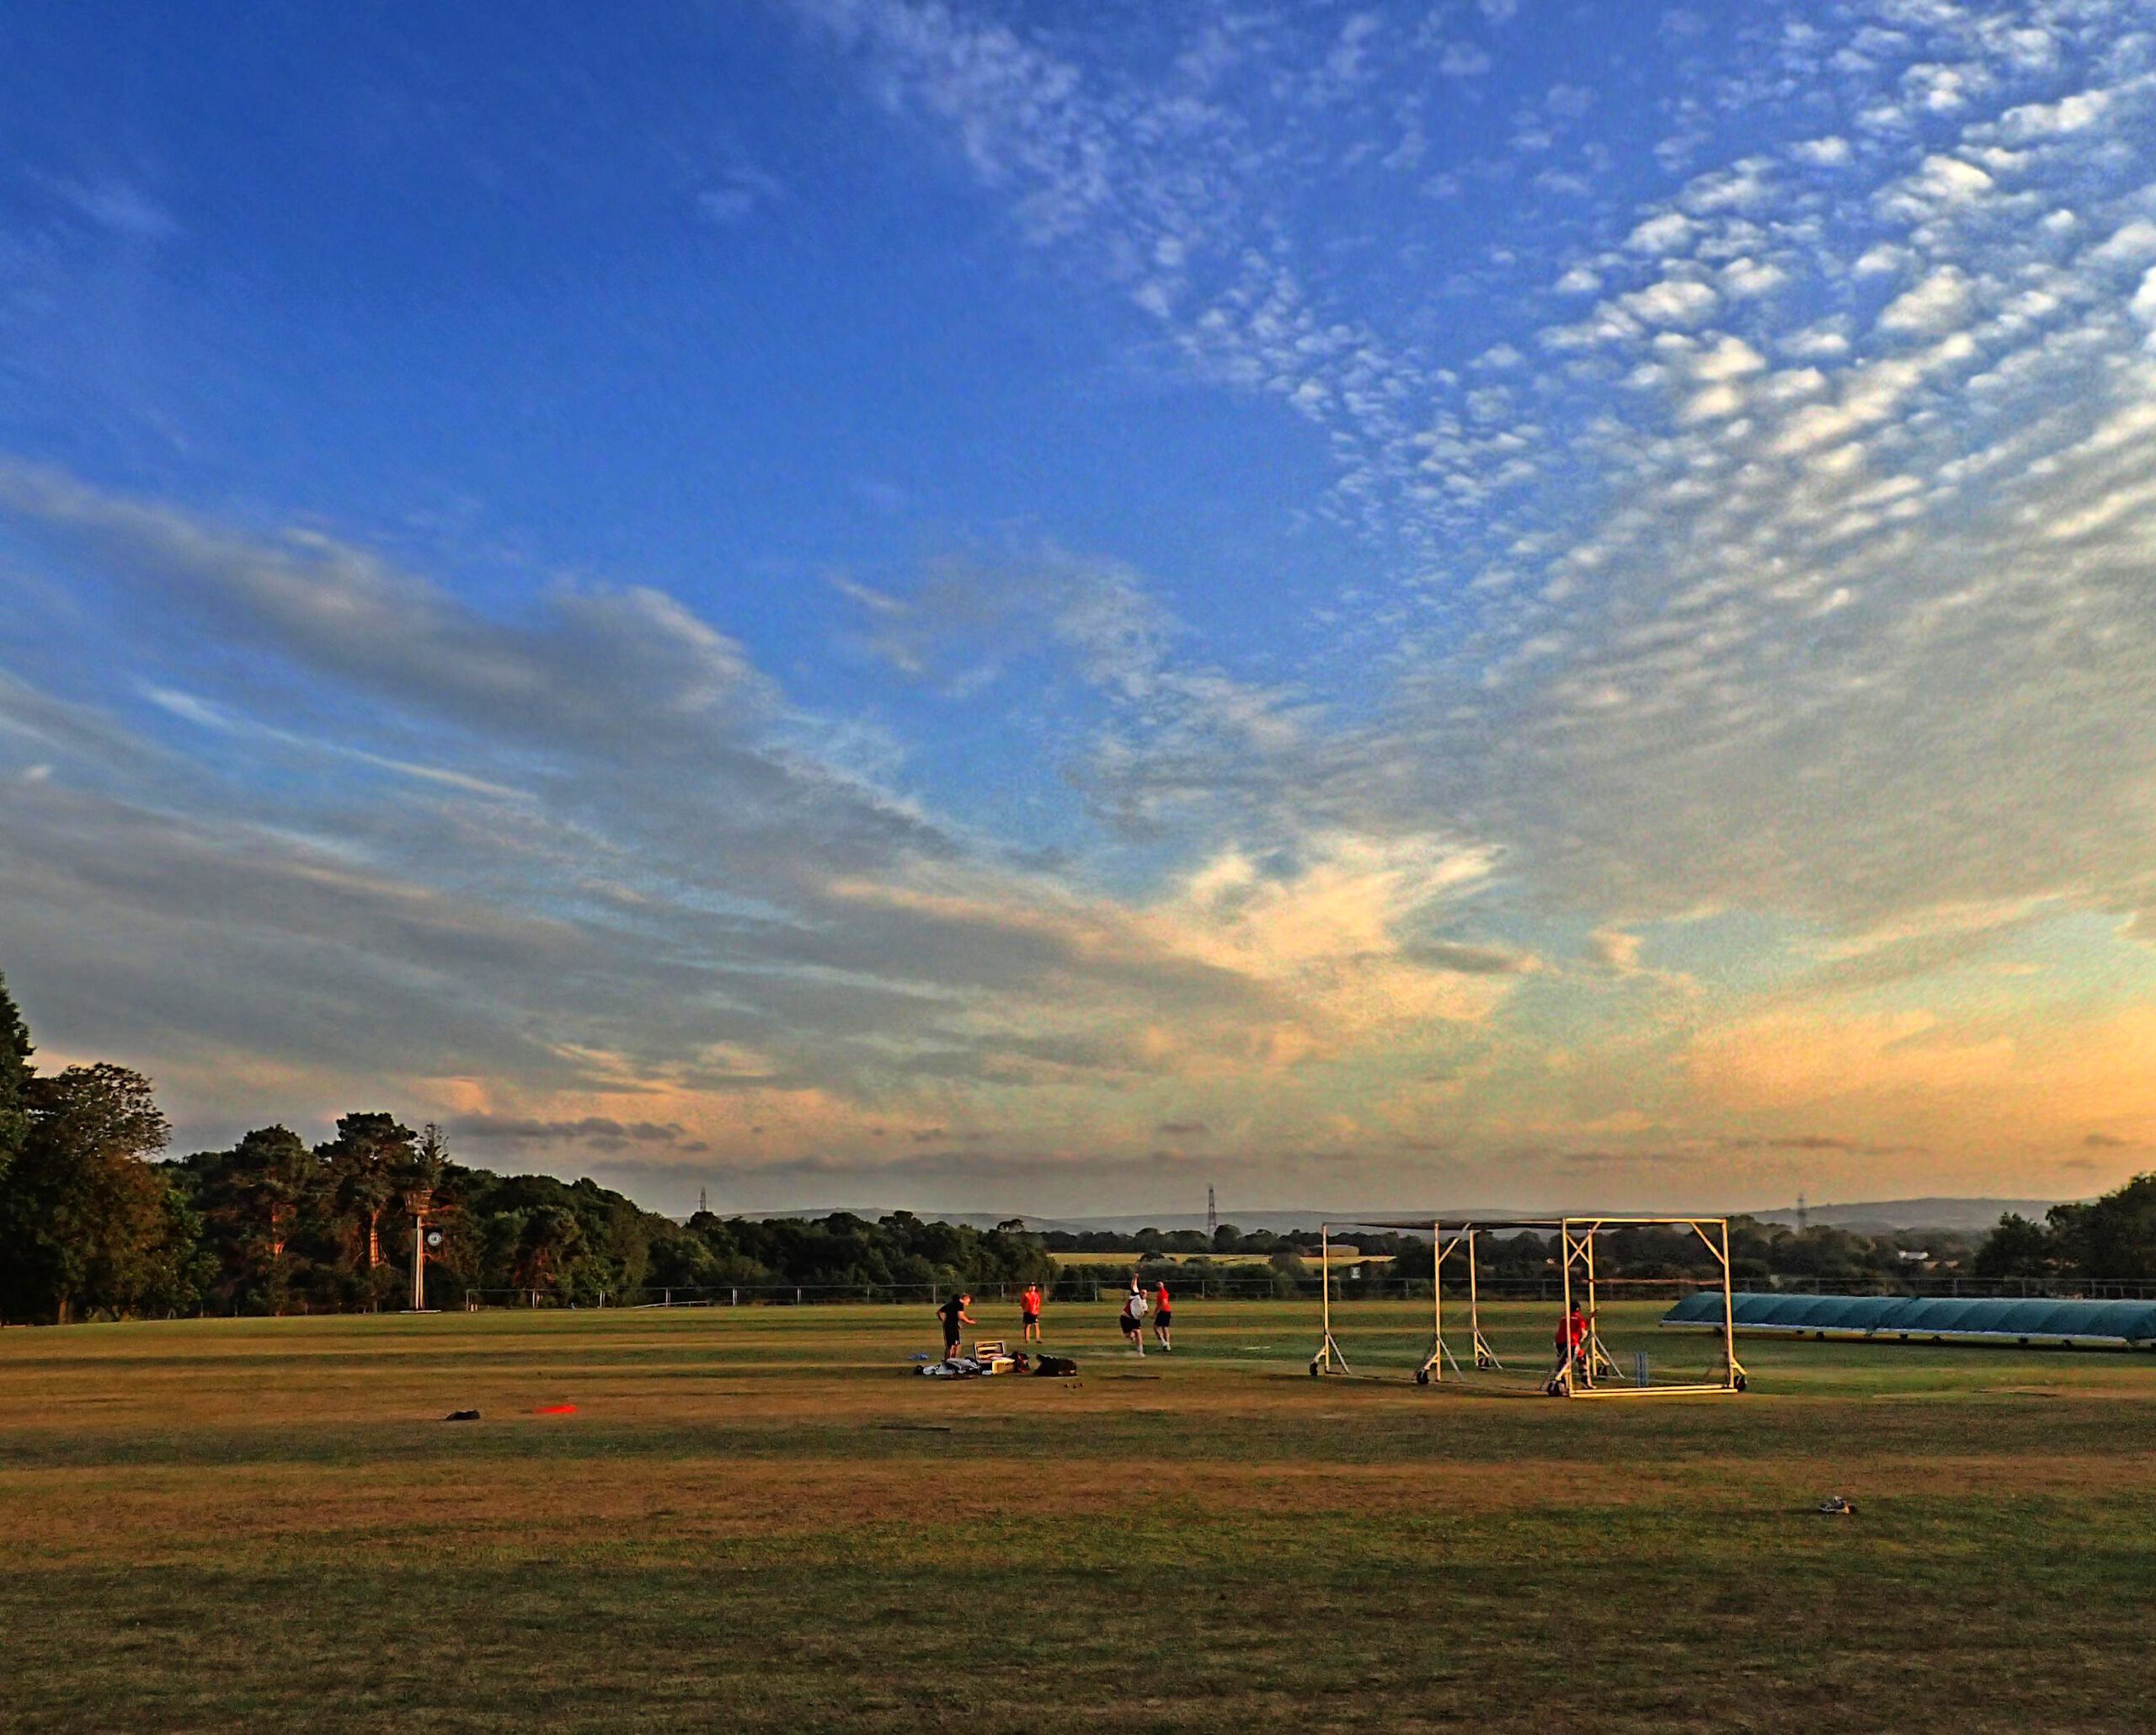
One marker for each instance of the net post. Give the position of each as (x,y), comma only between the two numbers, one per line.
(1565,1247)
(1325,1291)
(1588,1254)
(1437,1303)
(1474,1305)
(1595,1355)
(1728,1315)
(1437,1299)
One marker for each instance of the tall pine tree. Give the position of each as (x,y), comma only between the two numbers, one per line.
(15,1052)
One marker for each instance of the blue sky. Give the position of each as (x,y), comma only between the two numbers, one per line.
(1472,602)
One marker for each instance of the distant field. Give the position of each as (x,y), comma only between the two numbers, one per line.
(760,1520)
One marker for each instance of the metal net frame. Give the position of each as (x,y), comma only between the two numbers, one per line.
(1588,1370)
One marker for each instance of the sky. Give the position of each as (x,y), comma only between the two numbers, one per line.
(966,605)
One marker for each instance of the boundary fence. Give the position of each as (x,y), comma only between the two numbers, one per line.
(1086,1287)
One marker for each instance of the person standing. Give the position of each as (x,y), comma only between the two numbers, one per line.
(1029,1312)
(953,1314)
(1163,1316)
(1133,1317)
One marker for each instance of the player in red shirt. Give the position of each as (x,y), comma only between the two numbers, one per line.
(1570,1340)
(1029,1312)
(1163,1318)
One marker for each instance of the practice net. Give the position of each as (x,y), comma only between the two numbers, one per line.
(1584,1339)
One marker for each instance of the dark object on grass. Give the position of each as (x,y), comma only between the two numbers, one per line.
(461,1416)
(955,1367)
(1836,1505)
(1055,1367)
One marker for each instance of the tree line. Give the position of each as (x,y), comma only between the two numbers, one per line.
(2112,1237)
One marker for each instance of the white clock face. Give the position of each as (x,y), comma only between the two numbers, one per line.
(433,1238)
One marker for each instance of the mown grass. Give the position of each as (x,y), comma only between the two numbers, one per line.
(761,1520)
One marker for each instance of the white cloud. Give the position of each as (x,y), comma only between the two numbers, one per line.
(1943,182)
(2073,113)
(2130,243)
(1670,232)
(2144,299)
(1674,301)
(1746,278)
(1939,304)
(1831,151)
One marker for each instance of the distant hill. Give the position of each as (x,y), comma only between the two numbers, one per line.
(1883,1216)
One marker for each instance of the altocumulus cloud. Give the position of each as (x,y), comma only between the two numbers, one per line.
(1861,631)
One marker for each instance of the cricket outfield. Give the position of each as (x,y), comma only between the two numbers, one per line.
(759,1519)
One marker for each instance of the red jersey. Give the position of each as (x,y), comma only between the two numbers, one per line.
(1029,1304)
(1161,1299)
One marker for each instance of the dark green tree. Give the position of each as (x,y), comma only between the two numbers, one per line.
(429,1156)
(548,1249)
(15,1075)
(87,1223)
(253,1200)
(2017,1248)
(2112,1236)
(372,1157)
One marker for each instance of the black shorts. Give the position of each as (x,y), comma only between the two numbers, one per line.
(1132,1325)
(950,1348)
(1163,1320)
(1031,1320)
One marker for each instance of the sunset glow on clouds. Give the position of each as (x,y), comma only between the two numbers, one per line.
(887,602)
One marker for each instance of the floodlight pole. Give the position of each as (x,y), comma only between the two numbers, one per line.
(419,1202)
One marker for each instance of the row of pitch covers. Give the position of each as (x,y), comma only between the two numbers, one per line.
(2095,1325)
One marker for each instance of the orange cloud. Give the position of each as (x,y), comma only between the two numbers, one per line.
(1979,1087)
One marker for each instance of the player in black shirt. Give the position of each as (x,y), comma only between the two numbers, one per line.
(953,1314)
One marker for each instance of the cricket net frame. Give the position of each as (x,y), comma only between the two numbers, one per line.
(1589,1372)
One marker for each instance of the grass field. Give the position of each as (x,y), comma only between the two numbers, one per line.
(759,1520)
